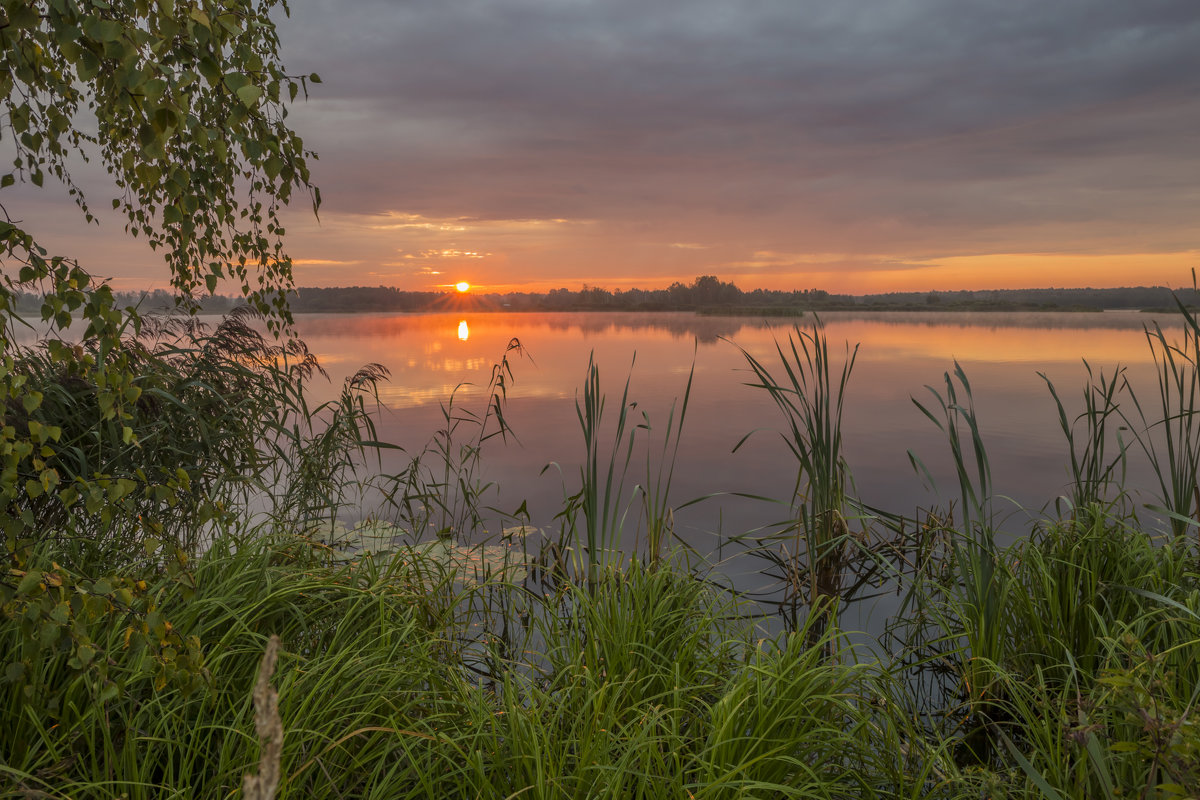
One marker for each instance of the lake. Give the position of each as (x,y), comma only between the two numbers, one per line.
(431,356)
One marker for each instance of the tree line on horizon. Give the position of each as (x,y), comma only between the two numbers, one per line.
(706,293)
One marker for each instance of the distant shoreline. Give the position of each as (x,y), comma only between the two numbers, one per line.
(706,295)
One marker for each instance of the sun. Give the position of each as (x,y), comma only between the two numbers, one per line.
(462,286)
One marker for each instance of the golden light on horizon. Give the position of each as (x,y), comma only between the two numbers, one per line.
(462,287)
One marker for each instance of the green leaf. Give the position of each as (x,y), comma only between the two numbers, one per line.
(200,17)
(50,634)
(29,582)
(14,672)
(85,654)
(249,95)
(104,30)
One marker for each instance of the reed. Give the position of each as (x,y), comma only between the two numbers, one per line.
(440,488)
(974,590)
(1095,470)
(822,544)
(1067,664)
(601,498)
(1170,437)
(657,511)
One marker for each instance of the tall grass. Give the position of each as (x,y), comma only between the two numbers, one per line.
(1067,663)
(968,600)
(596,517)
(600,498)
(811,401)
(440,488)
(1095,472)
(1170,435)
(657,511)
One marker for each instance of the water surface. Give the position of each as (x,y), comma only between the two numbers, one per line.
(900,354)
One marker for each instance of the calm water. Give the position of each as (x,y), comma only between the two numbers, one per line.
(429,355)
(432,356)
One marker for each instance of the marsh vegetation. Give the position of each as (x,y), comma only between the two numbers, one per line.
(426,651)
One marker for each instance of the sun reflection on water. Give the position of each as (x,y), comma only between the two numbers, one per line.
(463,332)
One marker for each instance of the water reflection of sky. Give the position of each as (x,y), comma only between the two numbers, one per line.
(432,357)
(899,355)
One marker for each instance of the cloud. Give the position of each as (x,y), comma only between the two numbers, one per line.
(580,139)
(914,126)
(814,264)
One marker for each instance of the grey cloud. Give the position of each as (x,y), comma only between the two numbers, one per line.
(781,123)
(913,128)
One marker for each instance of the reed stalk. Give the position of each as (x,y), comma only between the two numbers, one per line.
(601,496)
(658,514)
(1170,438)
(811,402)
(1094,472)
(976,589)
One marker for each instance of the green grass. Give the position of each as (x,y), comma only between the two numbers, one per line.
(1066,665)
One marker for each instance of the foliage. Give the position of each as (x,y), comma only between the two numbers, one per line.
(441,488)
(1172,441)
(823,549)
(415,671)
(120,447)
(707,294)
(167,495)
(184,105)
(1094,473)
(184,102)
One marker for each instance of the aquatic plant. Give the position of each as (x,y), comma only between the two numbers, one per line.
(1065,664)
(822,547)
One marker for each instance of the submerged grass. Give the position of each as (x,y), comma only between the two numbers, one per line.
(1066,665)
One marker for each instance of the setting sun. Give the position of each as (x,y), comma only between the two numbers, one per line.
(462,286)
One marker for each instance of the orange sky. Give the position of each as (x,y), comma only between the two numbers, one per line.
(534,144)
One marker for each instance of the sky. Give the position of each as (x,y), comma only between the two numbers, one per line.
(854,146)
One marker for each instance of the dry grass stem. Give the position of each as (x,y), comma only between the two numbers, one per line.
(270,730)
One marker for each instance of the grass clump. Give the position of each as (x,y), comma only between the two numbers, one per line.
(1065,665)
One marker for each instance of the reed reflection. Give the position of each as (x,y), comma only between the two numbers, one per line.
(900,355)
